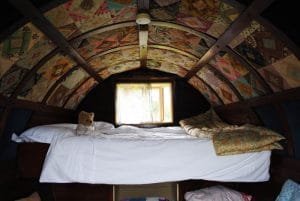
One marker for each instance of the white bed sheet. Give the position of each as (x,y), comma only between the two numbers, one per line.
(132,156)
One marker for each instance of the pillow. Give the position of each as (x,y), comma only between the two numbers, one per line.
(290,191)
(64,125)
(203,125)
(45,134)
(244,139)
(102,125)
(219,193)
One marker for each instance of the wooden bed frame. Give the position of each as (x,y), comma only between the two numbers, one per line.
(31,157)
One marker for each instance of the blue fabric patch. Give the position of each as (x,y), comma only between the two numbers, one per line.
(289,192)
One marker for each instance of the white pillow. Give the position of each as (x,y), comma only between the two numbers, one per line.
(64,125)
(102,125)
(45,133)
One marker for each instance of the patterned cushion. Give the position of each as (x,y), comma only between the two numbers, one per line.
(203,125)
(289,192)
(247,138)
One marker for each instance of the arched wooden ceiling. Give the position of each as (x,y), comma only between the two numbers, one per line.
(225,50)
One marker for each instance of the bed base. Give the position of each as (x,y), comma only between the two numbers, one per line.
(31,157)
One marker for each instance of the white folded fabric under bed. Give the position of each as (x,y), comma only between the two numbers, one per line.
(129,155)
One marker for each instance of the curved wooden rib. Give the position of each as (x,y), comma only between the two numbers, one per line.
(111,51)
(183,28)
(61,79)
(166,47)
(227,82)
(32,72)
(74,91)
(211,89)
(250,68)
(102,29)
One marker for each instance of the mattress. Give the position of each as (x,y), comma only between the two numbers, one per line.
(129,155)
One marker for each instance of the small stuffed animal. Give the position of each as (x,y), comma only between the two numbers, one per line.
(85,123)
(33,197)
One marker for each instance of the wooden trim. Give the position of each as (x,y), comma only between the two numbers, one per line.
(39,107)
(174,49)
(102,29)
(143,44)
(3,119)
(279,34)
(286,129)
(250,68)
(3,100)
(112,50)
(32,72)
(40,21)
(61,79)
(183,28)
(287,95)
(227,82)
(211,89)
(74,91)
(256,7)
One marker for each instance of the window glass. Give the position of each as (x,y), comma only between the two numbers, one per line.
(140,103)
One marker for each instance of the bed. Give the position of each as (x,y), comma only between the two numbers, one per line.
(132,155)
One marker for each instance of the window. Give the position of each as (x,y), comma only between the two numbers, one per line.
(144,103)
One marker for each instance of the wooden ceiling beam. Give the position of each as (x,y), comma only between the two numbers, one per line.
(245,18)
(40,21)
(143,29)
(143,43)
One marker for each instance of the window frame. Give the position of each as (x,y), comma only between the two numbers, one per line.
(145,81)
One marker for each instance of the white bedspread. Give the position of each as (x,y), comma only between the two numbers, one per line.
(132,156)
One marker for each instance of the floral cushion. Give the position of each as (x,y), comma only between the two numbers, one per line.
(289,192)
(203,125)
(247,138)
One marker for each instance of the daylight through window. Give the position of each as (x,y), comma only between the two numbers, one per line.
(142,103)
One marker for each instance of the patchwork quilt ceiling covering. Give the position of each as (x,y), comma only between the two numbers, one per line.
(104,33)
